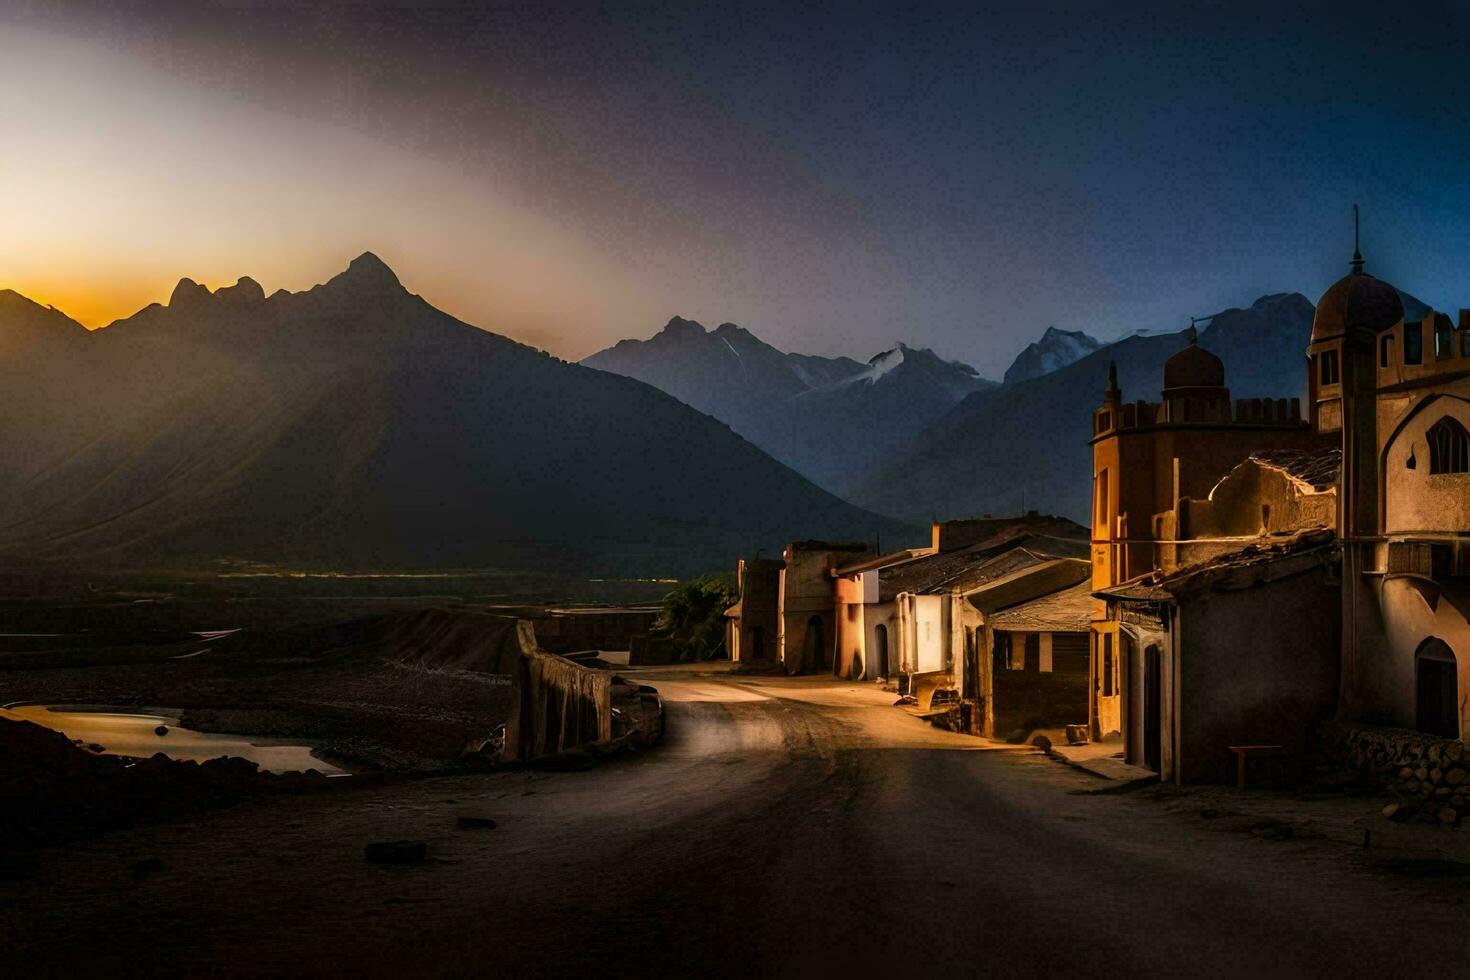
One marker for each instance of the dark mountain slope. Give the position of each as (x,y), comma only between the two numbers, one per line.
(354,424)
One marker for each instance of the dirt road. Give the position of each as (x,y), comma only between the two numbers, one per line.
(788,826)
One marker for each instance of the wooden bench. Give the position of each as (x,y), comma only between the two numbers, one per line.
(1244,752)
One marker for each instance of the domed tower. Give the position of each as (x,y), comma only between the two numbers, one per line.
(1349,317)
(1342,382)
(1194,384)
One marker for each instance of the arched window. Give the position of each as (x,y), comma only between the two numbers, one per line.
(1449,447)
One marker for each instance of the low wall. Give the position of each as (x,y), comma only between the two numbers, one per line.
(557,706)
(1426,775)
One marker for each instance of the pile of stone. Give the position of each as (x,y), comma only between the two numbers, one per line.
(1427,777)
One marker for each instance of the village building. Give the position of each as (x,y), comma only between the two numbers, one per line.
(925,621)
(753,623)
(1394,393)
(1152,461)
(1347,554)
(1236,652)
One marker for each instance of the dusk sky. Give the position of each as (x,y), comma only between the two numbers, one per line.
(834,177)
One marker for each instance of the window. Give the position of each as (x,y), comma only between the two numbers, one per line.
(1449,447)
(1102,500)
(1465,341)
(1385,351)
(1327,372)
(1413,343)
(1001,652)
(1107,665)
(1444,341)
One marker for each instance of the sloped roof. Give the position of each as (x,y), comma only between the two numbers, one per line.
(1068,610)
(1238,567)
(882,561)
(1317,468)
(936,573)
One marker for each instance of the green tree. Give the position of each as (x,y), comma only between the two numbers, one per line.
(694,617)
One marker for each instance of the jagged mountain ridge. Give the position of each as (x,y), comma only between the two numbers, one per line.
(354,424)
(799,408)
(1054,351)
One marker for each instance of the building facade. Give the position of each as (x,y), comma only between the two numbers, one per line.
(1148,457)
(1395,395)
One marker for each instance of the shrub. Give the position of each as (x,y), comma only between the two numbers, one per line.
(694,618)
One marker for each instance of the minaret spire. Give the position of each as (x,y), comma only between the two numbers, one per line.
(1357,262)
(1112,376)
(1192,333)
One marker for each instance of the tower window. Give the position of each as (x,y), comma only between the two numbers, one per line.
(1449,447)
(1465,341)
(1385,350)
(1327,367)
(1413,343)
(1444,341)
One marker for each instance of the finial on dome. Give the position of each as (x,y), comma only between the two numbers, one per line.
(1112,376)
(1192,334)
(1357,262)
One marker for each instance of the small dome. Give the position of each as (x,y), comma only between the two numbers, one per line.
(1357,301)
(1194,367)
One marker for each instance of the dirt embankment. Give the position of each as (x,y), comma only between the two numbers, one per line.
(401,691)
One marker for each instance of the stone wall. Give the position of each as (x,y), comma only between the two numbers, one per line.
(1427,776)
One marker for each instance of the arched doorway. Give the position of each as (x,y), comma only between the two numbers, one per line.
(1437,686)
(814,657)
(1152,709)
(880,654)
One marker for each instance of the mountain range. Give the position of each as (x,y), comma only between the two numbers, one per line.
(921,438)
(355,425)
(826,417)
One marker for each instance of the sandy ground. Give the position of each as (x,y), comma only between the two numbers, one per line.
(786,827)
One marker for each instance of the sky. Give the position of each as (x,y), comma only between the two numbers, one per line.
(834,177)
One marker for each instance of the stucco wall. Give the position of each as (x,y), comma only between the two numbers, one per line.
(1409,620)
(1416,500)
(1257,666)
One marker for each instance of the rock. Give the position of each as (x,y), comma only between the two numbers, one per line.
(1455,777)
(1042,742)
(1421,774)
(396,852)
(1406,773)
(1433,754)
(161,731)
(1395,812)
(475,823)
(1454,751)
(1436,775)
(1447,815)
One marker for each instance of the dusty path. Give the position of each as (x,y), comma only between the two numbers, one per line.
(792,827)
